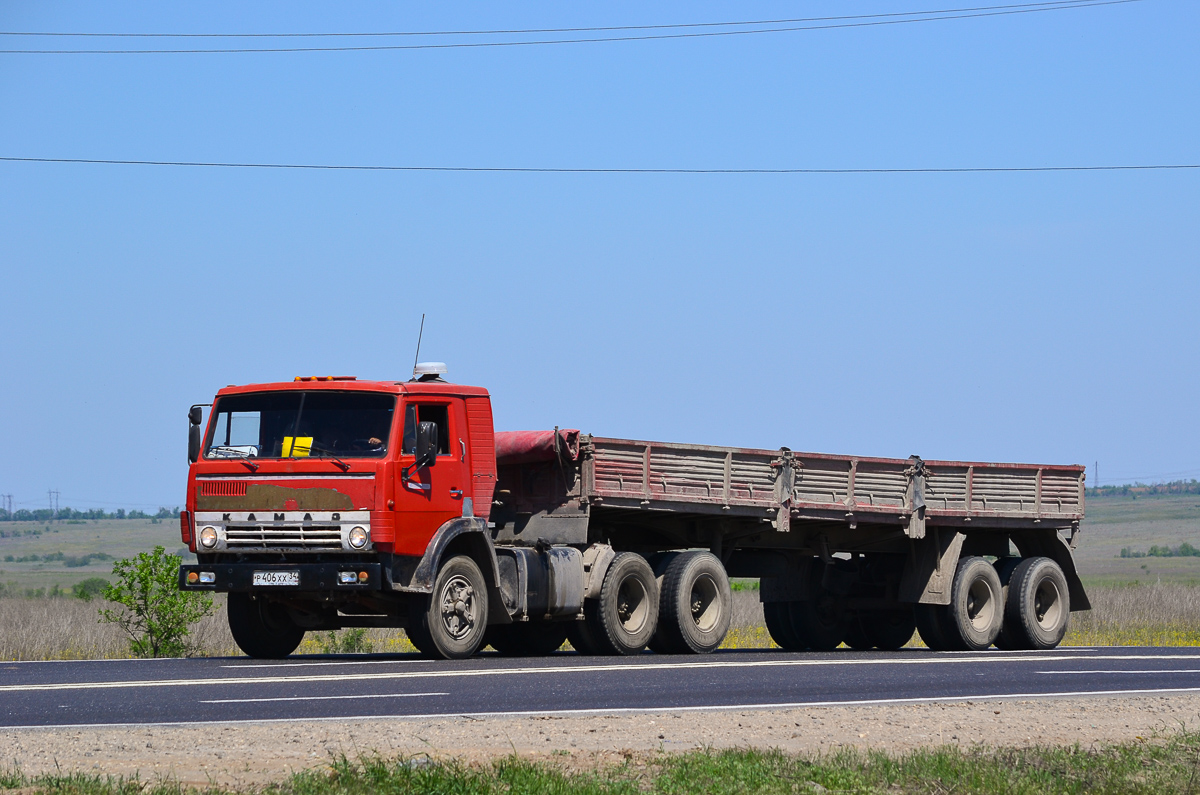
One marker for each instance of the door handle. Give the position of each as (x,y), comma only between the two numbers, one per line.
(456,493)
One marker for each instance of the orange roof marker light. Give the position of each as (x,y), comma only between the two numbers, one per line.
(325,378)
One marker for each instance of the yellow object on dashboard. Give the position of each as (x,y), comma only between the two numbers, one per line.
(301,446)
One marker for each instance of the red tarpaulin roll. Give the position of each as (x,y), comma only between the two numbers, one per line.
(528,447)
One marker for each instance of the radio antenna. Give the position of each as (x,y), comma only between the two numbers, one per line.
(420,334)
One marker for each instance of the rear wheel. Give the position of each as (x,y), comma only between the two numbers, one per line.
(886,630)
(624,618)
(262,629)
(1038,608)
(778,619)
(976,609)
(1004,570)
(821,621)
(695,605)
(527,638)
(451,622)
(929,626)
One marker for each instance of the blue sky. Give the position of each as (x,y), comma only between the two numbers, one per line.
(1028,317)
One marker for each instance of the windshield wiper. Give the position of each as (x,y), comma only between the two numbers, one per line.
(243,457)
(323,453)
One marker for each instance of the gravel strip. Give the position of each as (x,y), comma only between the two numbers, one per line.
(251,754)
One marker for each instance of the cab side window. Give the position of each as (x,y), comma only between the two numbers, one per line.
(439,414)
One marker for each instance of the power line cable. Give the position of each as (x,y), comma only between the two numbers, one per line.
(551,170)
(589,40)
(527,31)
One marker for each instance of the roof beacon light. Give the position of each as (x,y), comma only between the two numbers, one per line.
(429,371)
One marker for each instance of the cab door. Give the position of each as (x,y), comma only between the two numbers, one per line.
(431,495)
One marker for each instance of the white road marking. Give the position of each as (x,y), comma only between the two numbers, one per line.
(317,698)
(323,662)
(667,710)
(567,669)
(1119,671)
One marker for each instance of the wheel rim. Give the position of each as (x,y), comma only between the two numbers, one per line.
(1047,605)
(633,608)
(705,603)
(459,607)
(981,606)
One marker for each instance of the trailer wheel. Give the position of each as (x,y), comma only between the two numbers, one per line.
(262,629)
(777,617)
(695,605)
(451,622)
(1038,608)
(821,621)
(527,638)
(1004,570)
(929,626)
(623,619)
(886,630)
(976,609)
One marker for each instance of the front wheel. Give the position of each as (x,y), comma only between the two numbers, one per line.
(451,622)
(262,629)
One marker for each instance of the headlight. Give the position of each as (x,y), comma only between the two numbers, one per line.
(357,537)
(208,537)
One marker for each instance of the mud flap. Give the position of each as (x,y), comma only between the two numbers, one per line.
(1050,544)
(929,571)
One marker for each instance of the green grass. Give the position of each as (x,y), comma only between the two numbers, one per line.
(72,542)
(1169,764)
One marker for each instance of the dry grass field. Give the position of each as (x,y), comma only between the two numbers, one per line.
(1137,601)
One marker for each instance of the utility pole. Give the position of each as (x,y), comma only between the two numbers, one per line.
(52,494)
(8,504)
(1096,472)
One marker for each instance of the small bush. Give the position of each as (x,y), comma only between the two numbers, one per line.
(90,588)
(156,613)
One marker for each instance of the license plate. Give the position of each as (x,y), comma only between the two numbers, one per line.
(276,578)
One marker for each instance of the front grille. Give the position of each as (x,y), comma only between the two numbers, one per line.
(222,488)
(313,537)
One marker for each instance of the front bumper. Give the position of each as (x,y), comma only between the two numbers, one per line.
(313,577)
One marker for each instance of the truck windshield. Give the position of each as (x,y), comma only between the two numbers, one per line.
(301,424)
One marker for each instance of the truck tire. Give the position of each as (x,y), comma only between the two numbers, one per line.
(976,610)
(1038,609)
(777,617)
(580,637)
(821,621)
(1004,570)
(527,638)
(262,629)
(451,622)
(929,626)
(886,630)
(695,605)
(624,618)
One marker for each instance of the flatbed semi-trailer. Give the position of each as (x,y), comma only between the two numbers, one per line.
(327,503)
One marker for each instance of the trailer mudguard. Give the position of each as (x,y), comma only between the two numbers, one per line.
(929,572)
(1049,543)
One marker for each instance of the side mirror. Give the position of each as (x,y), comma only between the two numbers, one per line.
(193,443)
(194,416)
(427,444)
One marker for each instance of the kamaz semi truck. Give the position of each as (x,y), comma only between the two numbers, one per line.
(329,502)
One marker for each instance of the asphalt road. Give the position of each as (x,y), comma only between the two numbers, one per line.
(103,692)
